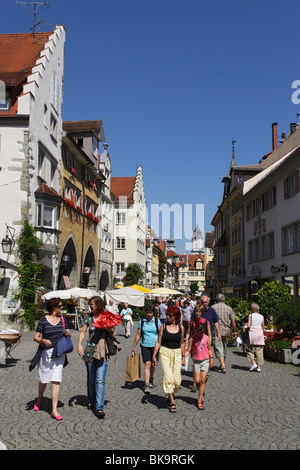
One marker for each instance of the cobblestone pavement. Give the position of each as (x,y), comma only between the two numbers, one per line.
(243,410)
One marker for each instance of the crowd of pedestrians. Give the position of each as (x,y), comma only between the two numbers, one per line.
(169,335)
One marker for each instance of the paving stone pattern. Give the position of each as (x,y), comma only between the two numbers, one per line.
(243,410)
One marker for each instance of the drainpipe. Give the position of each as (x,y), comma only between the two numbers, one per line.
(83,225)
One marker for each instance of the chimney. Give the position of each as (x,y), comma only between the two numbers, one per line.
(293,126)
(275,135)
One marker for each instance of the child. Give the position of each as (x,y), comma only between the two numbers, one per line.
(202,356)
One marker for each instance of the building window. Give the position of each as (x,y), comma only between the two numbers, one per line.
(45,216)
(54,93)
(53,127)
(120,242)
(291,238)
(291,185)
(120,267)
(121,218)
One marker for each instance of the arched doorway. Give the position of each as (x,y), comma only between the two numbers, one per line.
(104,279)
(68,266)
(89,272)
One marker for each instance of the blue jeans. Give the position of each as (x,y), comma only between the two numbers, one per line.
(96,373)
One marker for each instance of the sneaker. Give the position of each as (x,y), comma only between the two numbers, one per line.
(258,369)
(151,383)
(253,367)
(147,388)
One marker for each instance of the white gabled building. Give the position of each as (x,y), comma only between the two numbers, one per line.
(31,79)
(271,201)
(130,222)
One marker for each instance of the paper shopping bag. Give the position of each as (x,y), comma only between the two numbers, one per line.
(133,368)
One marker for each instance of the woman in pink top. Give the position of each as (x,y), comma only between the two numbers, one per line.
(202,355)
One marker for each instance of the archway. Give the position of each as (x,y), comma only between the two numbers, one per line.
(89,274)
(104,279)
(68,266)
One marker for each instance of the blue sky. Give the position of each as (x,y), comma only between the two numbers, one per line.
(174,81)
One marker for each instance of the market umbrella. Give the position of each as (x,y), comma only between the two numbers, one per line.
(161,291)
(126,295)
(140,288)
(81,293)
(62,294)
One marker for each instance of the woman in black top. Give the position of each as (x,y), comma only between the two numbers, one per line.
(170,344)
(48,332)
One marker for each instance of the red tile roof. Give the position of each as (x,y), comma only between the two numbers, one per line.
(123,186)
(19,53)
(81,126)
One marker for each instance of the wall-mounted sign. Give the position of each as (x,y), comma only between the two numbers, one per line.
(256,270)
(276,269)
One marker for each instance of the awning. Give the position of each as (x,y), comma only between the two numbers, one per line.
(6,265)
(241,282)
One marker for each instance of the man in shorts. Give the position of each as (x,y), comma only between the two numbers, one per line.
(147,333)
(226,322)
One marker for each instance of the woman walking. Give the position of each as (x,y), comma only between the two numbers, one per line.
(170,344)
(256,324)
(200,348)
(49,331)
(96,368)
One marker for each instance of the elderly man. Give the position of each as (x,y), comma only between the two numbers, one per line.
(111,307)
(226,322)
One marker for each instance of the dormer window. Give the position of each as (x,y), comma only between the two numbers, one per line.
(4,101)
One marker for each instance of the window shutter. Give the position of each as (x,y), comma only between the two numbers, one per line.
(297,181)
(285,188)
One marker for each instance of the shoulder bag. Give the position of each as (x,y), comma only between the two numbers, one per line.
(64,345)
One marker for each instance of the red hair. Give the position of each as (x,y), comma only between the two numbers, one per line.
(174,311)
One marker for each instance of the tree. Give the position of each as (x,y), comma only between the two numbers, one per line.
(194,287)
(134,274)
(29,251)
(271,296)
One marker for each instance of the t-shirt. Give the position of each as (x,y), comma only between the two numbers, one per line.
(52,332)
(200,348)
(211,316)
(186,312)
(149,332)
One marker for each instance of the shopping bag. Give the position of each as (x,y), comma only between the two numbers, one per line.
(186,364)
(133,368)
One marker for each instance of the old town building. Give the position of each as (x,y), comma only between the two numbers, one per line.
(31,81)
(80,213)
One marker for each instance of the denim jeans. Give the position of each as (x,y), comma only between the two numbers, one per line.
(96,373)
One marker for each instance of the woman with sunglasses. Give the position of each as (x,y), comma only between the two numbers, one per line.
(48,332)
(170,344)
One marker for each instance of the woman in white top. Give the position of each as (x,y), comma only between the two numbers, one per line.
(256,339)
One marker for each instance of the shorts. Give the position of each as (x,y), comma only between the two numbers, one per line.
(147,353)
(201,365)
(220,347)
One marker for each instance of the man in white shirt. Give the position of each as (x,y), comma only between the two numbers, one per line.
(111,307)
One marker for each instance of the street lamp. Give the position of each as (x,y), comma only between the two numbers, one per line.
(8,242)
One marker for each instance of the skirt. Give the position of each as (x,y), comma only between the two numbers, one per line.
(50,369)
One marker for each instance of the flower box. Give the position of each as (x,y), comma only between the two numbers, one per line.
(284,356)
(70,203)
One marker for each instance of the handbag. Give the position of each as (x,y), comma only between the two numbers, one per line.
(133,368)
(64,345)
